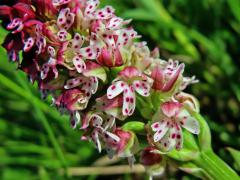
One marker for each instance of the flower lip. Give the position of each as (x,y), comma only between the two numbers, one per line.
(171,109)
(130,72)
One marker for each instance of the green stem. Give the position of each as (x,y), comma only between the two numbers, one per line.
(215,167)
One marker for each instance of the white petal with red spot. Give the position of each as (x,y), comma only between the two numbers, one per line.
(62,35)
(79,64)
(96,120)
(109,40)
(114,23)
(65,19)
(94,85)
(142,87)
(104,13)
(44,71)
(77,41)
(173,132)
(113,136)
(128,101)
(165,143)
(88,52)
(161,129)
(191,124)
(179,139)
(28,44)
(60,2)
(74,82)
(14,23)
(110,122)
(115,89)
(51,51)
(96,140)
(91,7)
(62,17)
(126,36)
(69,21)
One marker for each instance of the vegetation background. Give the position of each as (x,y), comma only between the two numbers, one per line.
(36,142)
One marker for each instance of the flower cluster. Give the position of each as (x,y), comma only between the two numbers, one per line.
(88,60)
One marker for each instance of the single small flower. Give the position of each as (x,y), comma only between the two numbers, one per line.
(51,64)
(127,146)
(129,80)
(20,14)
(168,122)
(72,100)
(112,40)
(111,106)
(100,127)
(13,45)
(88,85)
(166,75)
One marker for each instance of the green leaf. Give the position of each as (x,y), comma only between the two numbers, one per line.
(236,156)
(191,168)
(139,14)
(134,126)
(204,137)
(183,155)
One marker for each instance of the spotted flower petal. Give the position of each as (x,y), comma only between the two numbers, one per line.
(79,64)
(128,101)
(65,19)
(161,128)
(142,87)
(28,44)
(91,7)
(191,125)
(115,89)
(96,140)
(104,13)
(60,2)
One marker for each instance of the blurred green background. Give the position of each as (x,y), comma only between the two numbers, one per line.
(36,142)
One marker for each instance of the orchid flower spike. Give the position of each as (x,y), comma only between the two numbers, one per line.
(87,58)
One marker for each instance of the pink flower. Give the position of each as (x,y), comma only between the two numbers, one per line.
(113,44)
(50,65)
(13,45)
(20,14)
(168,122)
(129,80)
(127,145)
(110,58)
(166,76)
(88,85)
(101,127)
(72,100)
(111,106)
